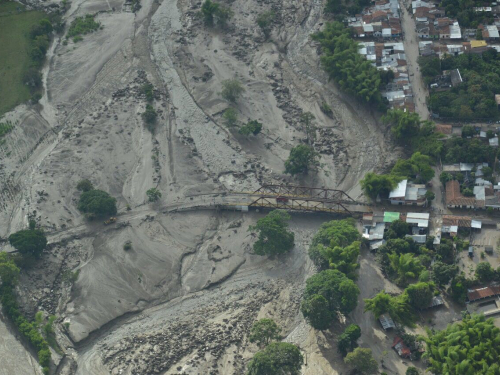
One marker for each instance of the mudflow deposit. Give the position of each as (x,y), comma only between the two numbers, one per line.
(183,299)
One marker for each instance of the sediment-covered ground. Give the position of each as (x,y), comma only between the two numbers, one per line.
(184,297)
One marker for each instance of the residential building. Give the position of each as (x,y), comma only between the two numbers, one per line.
(408,194)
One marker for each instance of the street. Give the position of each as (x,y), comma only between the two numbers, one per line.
(410,42)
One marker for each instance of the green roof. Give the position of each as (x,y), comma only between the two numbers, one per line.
(389,217)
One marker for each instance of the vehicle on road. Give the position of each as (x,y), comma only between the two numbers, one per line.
(282,200)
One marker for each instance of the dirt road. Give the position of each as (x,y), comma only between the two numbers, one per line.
(410,42)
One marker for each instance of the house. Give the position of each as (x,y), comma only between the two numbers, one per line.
(483,293)
(455,199)
(490,33)
(418,219)
(458,221)
(386,322)
(408,194)
(400,347)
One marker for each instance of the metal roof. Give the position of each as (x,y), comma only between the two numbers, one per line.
(476,224)
(494,141)
(417,215)
(411,194)
(455,32)
(480,193)
(386,321)
(419,238)
(421,223)
(389,217)
(492,31)
(400,190)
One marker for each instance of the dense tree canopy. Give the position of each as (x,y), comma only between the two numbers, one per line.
(484,272)
(362,360)
(442,273)
(340,292)
(29,242)
(274,236)
(417,168)
(9,272)
(469,347)
(397,229)
(302,158)
(316,310)
(404,125)
(397,307)
(404,266)
(348,339)
(97,202)
(276,358)
(420,295)
(475,97)
(461,150)
(374,184)
(349,69)
(264,331)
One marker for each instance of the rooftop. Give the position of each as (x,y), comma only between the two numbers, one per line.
(480,293)
(460,221)
(400,191)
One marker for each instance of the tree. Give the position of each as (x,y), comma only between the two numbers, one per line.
(420,295)
(231,90)
(264,331)
(405,266)
(307,121)
(362,360)
(84,185)
(404,125)
(442,273)
(252,127)
(429,195)
(208,10)
(468,131)
(153,194)
(458,288)
(484,272)
(9,272)
(417,168)
(230,117)
(348,339)
(412,371)
(301,159)
(149,116)
(444,177)
(397,229)
(276,358)
(29,242)
(344,259)
(445,251)
(317,312)
(274,237)
(397,307)
(97,203)
(335,233)
(378,184)
(340,292)
(470,346)
(264,21)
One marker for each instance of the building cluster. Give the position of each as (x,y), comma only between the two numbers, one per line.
(484,195)
(408,194)
(375,224)
(380,25)
(432,22)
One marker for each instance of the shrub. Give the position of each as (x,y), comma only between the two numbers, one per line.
(147,90)
(149,116)
(276,358)
(153,194)
(230,117)
(82,26)
(252,127)
(274,237)
(264,21)
(84,185)
(264,331)
(127,246)
(231,90)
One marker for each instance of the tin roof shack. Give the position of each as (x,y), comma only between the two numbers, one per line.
(408,194)
(386,322)
(399,346)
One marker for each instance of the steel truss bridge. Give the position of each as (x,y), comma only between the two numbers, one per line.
(303,198)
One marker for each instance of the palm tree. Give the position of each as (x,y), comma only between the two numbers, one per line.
(405,266)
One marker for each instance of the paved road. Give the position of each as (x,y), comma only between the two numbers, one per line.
(410,42)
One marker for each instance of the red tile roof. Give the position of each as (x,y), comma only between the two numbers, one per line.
(461,221)
(400,347)
(455,198)
(476,294)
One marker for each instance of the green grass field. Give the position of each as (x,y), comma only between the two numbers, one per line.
(14,47)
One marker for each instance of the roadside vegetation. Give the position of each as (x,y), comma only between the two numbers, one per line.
(26,36)
(465,14)
(82,26)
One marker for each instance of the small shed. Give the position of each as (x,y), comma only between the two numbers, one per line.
(386,322)
(399,346)
(488,249)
